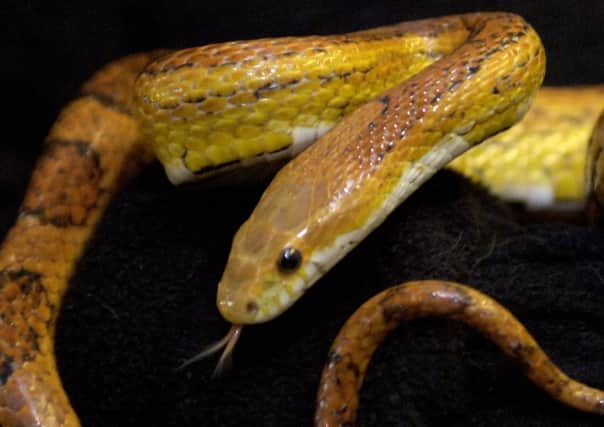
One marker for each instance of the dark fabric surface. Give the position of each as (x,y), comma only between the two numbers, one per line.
(142,299)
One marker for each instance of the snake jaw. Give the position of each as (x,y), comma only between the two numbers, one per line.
(276,295)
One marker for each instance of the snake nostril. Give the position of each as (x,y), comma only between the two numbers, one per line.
(251,307)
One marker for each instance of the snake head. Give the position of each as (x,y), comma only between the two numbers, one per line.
(267,268)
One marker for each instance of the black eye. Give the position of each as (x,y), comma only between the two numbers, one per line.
(289,260)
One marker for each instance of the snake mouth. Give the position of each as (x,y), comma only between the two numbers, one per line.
(262,301)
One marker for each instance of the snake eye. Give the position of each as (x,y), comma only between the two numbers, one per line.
(289,260)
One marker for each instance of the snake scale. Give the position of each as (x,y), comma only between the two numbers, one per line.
(407,99)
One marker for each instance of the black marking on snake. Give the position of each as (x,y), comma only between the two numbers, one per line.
(31,279)
(93,174)
(392,313)
(562,384)
(454,85)
(108,101)
(336,380)
(34,338)
(504,78)
(214,168)
(491,52)
(521,351)
(32,293)
(168,69)
(436,99)
(83,147)
(341,411)
(379,156)
(325,78)
(471,71)
(274,151)
(62,222)
(479,43)
(511,38)
(10,276)
(196,100)
(536,52)
(333,358)
(170,106)
(473,29)
(354,368)
(517,35)
(159,54)
(386,101)
(223,64)
(7,367)
(258,93)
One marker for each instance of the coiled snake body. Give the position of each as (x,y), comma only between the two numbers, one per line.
(414,96)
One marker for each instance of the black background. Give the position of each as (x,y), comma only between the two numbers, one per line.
(142,299)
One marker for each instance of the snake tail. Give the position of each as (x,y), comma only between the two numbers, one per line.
(351,352)
(90,150)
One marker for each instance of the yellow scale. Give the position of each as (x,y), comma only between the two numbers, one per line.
(541,160)
(234,109)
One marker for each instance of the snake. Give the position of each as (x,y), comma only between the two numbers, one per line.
(369,116)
